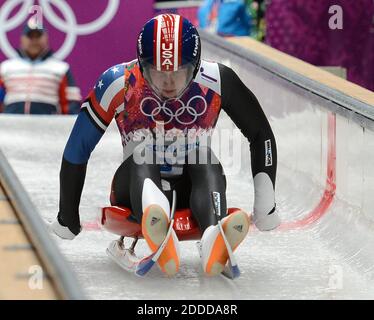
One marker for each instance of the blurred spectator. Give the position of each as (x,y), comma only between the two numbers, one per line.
(232,17)
(36,82)
(256,9)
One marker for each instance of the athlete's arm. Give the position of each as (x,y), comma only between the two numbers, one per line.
(95,115)
(244,109)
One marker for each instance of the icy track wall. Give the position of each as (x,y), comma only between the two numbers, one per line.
(325,175)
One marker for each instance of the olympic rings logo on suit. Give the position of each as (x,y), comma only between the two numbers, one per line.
(168,113)
(69,25)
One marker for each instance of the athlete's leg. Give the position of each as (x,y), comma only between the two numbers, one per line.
(120,190)
(205,178)
(128,184)
(138,186)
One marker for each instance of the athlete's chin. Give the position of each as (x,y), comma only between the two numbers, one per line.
(169,93)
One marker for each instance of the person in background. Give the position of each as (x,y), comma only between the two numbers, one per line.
(256,9)
(232,17)
(36,82)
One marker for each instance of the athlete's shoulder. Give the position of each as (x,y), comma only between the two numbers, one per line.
(113,79)
(109,84)
(209,76)
(109,76)
(133,73)
(132,65)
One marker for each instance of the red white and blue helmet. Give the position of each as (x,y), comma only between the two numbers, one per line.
(169,43)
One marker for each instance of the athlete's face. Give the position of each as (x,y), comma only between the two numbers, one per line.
(170,84)
(34,43)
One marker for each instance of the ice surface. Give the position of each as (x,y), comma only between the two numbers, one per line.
(331,259)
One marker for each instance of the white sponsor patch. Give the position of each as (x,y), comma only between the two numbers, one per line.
(165,185)
(268,154)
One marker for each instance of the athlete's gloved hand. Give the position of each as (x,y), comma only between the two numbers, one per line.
(266,221)
(265,215)
(62,231)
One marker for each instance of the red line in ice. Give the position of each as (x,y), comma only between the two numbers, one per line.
(329,193)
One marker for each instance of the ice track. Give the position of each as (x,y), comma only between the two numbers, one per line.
(331,258)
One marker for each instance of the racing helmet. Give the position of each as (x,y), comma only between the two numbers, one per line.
(169,51)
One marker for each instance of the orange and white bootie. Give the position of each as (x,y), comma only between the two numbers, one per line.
(213,250)
(155,225)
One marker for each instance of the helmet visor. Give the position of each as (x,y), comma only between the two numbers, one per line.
(169,84)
